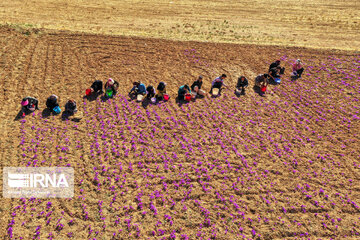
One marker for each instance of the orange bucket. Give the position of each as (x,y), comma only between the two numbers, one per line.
(166,97)
(188,97)
(88,92)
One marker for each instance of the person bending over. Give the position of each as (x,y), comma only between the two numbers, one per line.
(52,102)
(184,89)
(196,86)
(161,90)
(111,85)
(70,107)
(277,64)
(96,87)
(29,104)
(150,92)
(275,73)
(138,88)
(262,80)
(297,68)
(242,84)
(218,82)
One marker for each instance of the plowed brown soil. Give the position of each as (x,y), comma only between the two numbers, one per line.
(329,24)
(282,166)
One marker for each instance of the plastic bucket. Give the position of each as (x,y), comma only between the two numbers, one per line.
(188,97)
(263,89)
(139,97)
(237,91)
(153,100)
(57,110)
(88,92)
(109,93)
(166,97)
(215,91)
(277,80)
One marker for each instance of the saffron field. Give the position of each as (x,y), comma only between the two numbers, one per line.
(282,166)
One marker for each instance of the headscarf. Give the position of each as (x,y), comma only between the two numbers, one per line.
(111,81)
(53,97)
(24,102)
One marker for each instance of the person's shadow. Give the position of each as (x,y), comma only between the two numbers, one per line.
(180,102)
(145,103)
(65,115)
(46,113)
(132,97)
(294,78)
(20,115)
(104,98)
(258,90)
(93,96)
(200,96)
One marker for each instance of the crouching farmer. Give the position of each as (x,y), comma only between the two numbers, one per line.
(70,107)
(161,91)
(196,87)
(297,69)
(184,89)
(218,83)
(52,104)
(138,88)
(241,85)
(28,105)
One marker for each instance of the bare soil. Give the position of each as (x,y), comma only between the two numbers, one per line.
(329,24)
(282,166)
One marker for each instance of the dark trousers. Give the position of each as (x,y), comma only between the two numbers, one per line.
(242,88)
(282,70)
(300,71)
(97,86)
(150,95)
(275,76)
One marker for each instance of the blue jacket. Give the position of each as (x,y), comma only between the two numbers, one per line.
(141,88)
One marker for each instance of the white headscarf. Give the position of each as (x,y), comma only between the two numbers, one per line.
(111,81)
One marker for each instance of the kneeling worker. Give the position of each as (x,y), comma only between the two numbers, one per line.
(184,89)
(196,86)
(29,104)
(242,84)
(218,83)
